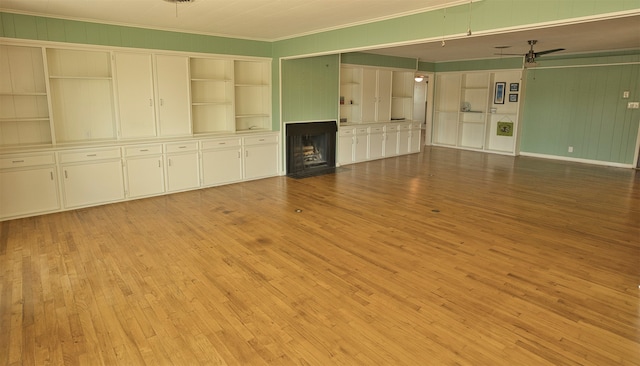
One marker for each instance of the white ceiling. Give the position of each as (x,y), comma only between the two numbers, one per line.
(280,19)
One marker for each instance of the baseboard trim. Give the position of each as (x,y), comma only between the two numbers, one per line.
(577,160)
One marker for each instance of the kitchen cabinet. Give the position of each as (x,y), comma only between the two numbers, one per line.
(361,144)
(376,95)
(345,146)
(391,140)
(376,142)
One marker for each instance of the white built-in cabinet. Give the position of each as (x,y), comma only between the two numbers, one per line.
(375,141)
(153,94)
(391,140)
(91,176)
(376,95)
(84,126)
(467,114)
(221,161)
(28,184)
(144,170)
(183,170)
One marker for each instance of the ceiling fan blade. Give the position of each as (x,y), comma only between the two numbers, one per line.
(509,54)
(549,51)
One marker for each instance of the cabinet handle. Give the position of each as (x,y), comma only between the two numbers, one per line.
(17,161)
(169,161)
(238,154)
(261,140)
(246,153)
(51,173)
(161,102)
(141,150)
(91,154)
(65,174)
(159,162)
(222,143)
(182,147)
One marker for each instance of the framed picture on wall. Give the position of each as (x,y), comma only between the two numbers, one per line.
(514,87)
(513,97)
(500,90)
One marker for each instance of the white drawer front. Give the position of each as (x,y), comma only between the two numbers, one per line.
(416,126)
(347,132)
(362,131)
(405,127)
(220,143)
(391,128)
(258,140)
(89,155)
(378,129)
(17,161)
(181,147)
(142,150)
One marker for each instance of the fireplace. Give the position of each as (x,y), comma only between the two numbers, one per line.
(311,148)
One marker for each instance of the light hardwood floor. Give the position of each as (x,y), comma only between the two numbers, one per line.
(445,257)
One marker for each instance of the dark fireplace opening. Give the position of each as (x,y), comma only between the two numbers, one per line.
(311,148)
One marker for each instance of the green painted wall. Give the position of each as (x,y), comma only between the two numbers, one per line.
(471,65)
(59,30)
(310,88)
(582,107)
(369,59)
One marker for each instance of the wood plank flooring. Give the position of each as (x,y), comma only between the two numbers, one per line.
(445,257)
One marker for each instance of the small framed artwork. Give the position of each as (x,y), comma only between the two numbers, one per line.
(500,91)
(513,97)
(514,87)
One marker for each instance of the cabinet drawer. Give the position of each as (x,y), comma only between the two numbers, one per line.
(17,161)
(181,147)
(346,133)
(142,150)
(404,127)
(258,140)
(378,129)
(362,131)
(89,155)
(416,126)
(220,143)
(391,128)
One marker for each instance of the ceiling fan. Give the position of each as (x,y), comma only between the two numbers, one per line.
(530,57)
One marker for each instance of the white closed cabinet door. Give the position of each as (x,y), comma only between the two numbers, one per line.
(376,145)
(361,145)
(221,166)
(24,192)
(172,81)
(260,161)
(145,176)
(369,94)
(345,147)
(404,137)
(92,183)
(136,105)
(391,143)
(182,171)
(383,111)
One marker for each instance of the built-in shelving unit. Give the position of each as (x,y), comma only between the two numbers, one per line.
(350,94)
(81,95)
(212,95)
(402,85)
(252,95)
(467,116)
(24,110)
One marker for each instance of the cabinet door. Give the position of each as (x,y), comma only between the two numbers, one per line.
(391,143)
(345,150)
(403,141)
(383,112)
(414,140)
(376,145)
(145,176)
(134,83)
(260,161)
(221,166)
(361,148)
(88,184)
(172,80)
(182,171)
(30,191)
(369,95)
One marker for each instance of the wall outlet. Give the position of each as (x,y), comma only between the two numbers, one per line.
(625,94)
(570,148)
(633,105)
